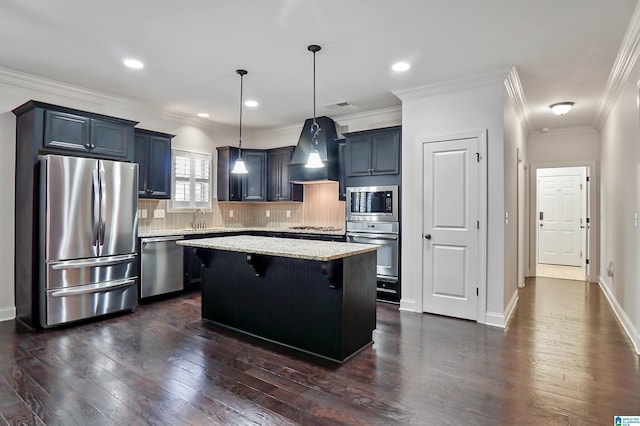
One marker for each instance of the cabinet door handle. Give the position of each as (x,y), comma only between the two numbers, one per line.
(92,146)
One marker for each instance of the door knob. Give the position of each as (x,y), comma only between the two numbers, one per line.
(428,236)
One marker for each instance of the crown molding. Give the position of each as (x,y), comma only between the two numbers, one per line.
(622,67)
(52,87)
(481,80)
(516,96)
(383,113)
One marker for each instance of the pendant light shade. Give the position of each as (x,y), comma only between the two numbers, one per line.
(239,167)
(314,161)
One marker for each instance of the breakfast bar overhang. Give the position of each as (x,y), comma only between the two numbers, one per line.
(315,296)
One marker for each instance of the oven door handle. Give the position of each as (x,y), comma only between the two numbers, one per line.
(373,236)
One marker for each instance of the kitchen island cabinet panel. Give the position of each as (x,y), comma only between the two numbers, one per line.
(327,309)
(317,297)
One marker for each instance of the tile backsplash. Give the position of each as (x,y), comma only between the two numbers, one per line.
(321,207)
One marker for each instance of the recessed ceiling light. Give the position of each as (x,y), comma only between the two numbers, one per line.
(561,108)
(400,66)
(133,63)
(203,115)
(251,103)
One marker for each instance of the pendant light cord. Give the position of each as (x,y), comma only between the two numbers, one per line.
(315,127)
(240,141)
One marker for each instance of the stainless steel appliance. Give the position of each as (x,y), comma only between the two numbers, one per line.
(372,218)
(162,266)
(372,203)
(88,225)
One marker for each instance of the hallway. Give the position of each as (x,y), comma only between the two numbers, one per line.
(563,359)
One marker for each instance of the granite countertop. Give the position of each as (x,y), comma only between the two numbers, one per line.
(189,231)
(282,247)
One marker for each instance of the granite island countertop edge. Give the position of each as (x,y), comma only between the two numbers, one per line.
(282,247)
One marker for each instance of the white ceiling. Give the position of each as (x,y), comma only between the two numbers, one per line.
(563,49)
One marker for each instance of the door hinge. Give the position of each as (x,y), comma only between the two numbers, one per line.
(587,178)
(580,254)
(587,262)
(477,224)
(580,187)
(587,220)
(478,157)
(477,292)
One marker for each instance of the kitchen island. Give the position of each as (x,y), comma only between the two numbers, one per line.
(315,296)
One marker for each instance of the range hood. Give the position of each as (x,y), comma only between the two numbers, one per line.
(327,147)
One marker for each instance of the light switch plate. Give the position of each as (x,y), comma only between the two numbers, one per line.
(288,213)
(230,213)
(142,213)
(158,214)
(268,213)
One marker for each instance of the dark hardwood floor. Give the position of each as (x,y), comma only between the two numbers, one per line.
(563,359)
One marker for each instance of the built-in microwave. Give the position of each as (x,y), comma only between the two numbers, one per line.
(372,203)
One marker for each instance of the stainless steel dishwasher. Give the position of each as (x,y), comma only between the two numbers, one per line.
(161,265)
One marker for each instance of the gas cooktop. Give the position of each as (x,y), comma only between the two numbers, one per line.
(315,228)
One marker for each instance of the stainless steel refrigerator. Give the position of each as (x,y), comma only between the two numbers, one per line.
(88,227)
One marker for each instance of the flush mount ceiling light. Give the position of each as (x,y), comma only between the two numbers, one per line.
(203,115)
(314,161)
(561,108)
(251,103)
(133,63)
(239,167)
(400,66)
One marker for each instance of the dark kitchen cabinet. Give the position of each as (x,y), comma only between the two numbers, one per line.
(152,152)
(278,186)
(192,267)
(254,183)
(86,134)
(249,187)
(342,178)
(373,152)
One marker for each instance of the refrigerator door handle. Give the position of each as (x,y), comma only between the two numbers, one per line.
(93,262)
(94,288)
(95,207)
(103,207)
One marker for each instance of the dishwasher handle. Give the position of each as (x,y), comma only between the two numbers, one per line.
(146,241)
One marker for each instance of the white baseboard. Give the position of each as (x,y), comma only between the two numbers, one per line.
(8,313)
(409,305)
(628,326)
(496,319)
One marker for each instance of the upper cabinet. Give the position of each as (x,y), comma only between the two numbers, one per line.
(373,152)
(278,186)
(63,130)
(235,187)
(153,154)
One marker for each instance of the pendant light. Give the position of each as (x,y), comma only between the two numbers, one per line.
(239,167)
(314,161)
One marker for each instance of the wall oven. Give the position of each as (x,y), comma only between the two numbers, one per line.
(372,218)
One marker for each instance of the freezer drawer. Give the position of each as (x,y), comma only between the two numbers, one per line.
(70,273)
(162,269)
(87,301)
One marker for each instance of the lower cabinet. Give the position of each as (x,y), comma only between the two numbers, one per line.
(192,268)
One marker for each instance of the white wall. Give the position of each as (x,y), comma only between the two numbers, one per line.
(514,218)
(15,89)
(619,189)
(442,114)
(567,147)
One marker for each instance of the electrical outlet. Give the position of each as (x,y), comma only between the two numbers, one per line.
(268,213)
(230,213)
(142,213)
(158,214)
(288,213)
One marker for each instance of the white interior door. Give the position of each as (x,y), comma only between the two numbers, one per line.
(561,215)
(450,244)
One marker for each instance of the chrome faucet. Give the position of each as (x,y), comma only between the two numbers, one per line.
(198,224)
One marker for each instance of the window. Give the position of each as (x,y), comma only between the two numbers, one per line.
(191,180)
